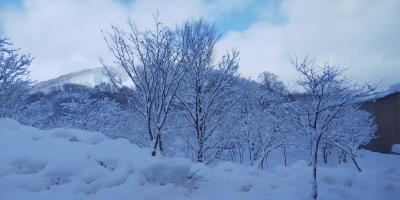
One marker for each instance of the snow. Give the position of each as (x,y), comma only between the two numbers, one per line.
(395,88)
(87,77)
(396,148)
(73,164)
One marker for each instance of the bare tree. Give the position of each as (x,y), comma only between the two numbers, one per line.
(274,123)
(271,83)
(329,98)
(260,126)
(207,86)
(153,61)
(13,78)
(271,133)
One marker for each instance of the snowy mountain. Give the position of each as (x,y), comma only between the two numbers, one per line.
(87,77)
(73,164)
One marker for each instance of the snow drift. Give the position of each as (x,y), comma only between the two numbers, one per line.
(74,164)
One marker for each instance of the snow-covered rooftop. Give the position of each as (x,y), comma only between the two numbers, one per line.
(391,90)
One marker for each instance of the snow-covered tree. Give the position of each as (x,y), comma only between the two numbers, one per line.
(260,126)
(352,129)
(13,78)
(99,109)
(327,102)
(37,112)
(207,88)
(271,83)
(153,61)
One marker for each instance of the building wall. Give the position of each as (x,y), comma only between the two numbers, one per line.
(387,116)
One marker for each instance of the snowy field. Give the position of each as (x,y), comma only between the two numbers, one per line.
(66,164)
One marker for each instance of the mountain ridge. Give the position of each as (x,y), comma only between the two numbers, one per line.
(89,77)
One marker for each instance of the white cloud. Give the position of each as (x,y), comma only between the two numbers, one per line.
(65,35)
(362,35)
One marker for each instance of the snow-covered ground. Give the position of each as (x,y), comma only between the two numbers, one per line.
(72,164)
(396,148)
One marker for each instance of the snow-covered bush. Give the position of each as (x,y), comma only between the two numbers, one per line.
(327,112)
(396,148)
(92,109)
(13,79)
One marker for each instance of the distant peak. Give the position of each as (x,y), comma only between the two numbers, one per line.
(87,77)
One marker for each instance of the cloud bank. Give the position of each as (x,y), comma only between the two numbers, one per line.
(362,35)
(65,35)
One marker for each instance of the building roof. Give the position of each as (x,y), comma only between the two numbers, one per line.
(393,89)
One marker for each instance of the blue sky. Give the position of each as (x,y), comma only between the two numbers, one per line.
(362,35)
(11,3)
(240,19)
(237,20)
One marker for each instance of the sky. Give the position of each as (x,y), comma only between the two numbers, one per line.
(363,36)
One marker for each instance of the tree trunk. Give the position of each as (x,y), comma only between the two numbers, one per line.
(355,163)
(314,183)
(325,153)
(154,150)
(148,123)
(200,152)
(252,156)
(157,144)
(160,145)
(285,156)
(315,145)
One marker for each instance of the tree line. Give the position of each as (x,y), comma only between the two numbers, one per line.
(185,100)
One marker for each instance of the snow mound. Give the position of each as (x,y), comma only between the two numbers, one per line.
(73,164)
(396,148)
